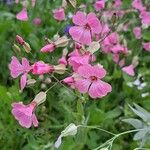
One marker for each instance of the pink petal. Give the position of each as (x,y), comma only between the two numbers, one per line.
(79,18)
(35,121)
(129,70)
(22,15)
(17,114)
(15,67)
(17,105)
(26,122)
(82,85)
(85,38)
(26,65)
(23,81)
(87,71)
(76,32)
(94,23)
(99,89)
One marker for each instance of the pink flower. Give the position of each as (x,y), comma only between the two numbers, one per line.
(37,21)
(24,114)
(85,27)
(63,60)
(99,5)
(137,32)
(41,68)
(77,59)
(145,17)
(119,49)
(90,81)
(129,70)
(118,3)
(18,69)
(22,15)
(70,81)
(146,46)
(59,14)
(113,38)
(20,40)
(48,48)
(137,4)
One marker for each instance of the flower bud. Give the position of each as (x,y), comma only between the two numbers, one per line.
(42,68)
(48,48)
(70,130)
(31,81)
(27,47)
(16,48)
(62,42)
(40,98)
(60,69)
(20,40)
(48,80)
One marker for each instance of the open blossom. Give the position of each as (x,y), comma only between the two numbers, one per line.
(59,14)
(99,4)
(24,114)
(129,70)
(85,27)
(137,4)
(76,59)
(17,69)
(146,46)
(89,80)
(118,3)
(41,68)
(145,17)
(137,32)
(22,15)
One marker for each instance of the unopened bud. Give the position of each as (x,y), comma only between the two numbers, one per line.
(40,98)
(16,48)
(60,69)
(27,47)
(61,42)
(135,61)
(20,40)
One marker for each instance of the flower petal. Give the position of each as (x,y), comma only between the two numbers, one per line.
(82,85)
(34,120)
(79,18)
(15,67)
(23,81)
(76,32)
(94,23)
(99,89)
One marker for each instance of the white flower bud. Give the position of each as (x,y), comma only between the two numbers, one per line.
(70,130)
(40,98)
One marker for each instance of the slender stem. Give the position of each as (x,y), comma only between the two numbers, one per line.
(51,87)
(98,128)
(110,141)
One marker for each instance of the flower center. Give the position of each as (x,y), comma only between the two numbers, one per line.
(87,27)
(93,78)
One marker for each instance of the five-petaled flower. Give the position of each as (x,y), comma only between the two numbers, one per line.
(85,27)
(89,80)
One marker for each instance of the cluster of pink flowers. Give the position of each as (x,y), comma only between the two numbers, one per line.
(88,33)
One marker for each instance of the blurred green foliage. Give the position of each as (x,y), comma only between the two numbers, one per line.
(62,107)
